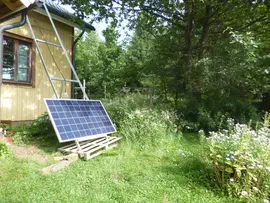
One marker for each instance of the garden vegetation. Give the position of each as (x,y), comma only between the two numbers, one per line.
(190,66)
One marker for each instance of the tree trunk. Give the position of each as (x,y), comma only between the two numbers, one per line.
(189,14)
(205,31)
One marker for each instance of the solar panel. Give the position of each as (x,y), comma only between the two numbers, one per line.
(78,119)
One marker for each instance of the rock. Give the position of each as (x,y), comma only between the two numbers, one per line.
(55,167)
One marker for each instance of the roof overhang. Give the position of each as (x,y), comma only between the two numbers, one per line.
(9,8)
(58,18)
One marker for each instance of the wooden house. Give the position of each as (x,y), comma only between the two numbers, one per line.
(23,80)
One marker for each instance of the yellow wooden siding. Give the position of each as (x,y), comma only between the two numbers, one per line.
(19,103)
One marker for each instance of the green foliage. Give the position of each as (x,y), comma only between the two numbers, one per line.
(171,172)
(4,150)
(22,134)
(40,129)
(5,127)
(149,127)
(241,160)
(119,107)
(100,63)
(211,63)
(137,123)
(212,112)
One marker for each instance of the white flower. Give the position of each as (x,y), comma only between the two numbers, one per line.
(244,193)
(260,166)
(256,189)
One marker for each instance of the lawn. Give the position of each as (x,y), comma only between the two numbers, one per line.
(172,171)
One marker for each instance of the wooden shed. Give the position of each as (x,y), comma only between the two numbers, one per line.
(23,81)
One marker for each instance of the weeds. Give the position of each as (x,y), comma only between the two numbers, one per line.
(4,150)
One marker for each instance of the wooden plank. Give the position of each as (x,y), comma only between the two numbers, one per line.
(90,156)
(92,148)
(73,147)
(100,142)
(31,107)
(90,143)
(4,10)
(55,167)
(99,147)
(95,145)
(12,5)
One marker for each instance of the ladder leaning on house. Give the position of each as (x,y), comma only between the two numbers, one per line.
(60,45)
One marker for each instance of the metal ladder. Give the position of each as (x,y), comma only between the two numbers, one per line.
(60,45)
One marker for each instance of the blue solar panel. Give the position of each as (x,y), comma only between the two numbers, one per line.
(78,119)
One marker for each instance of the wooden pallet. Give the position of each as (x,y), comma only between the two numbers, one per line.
(91,148)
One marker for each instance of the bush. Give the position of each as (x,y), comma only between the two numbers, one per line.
(146,126)
(4,150)
(135,122)
(40,128)
(241,160)
(119,108)
(211,112)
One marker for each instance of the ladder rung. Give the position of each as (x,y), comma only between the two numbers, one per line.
(50,43)
(64,80)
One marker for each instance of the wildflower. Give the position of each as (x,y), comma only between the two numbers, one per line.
(201,132)
(244,193)
(256,189)
(260,166)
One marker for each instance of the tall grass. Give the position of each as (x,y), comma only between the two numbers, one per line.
(154,163)
(137,123)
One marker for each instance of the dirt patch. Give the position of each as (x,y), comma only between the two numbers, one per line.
(28,152)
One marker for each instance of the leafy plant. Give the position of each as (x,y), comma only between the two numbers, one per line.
(22,134)
(4,150)
(147,127)
(241,159)
(40,128)
(137,123)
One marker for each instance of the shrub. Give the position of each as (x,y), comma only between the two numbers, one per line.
(22,134)
(211,112)
(146,126)
(241,160)
(4,150)
(40,128)
(119,108)
(135,122)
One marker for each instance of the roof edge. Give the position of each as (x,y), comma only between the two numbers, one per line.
(61,12)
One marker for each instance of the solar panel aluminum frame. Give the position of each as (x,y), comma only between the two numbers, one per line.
(81,138)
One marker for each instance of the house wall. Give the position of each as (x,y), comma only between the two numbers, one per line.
(22,103)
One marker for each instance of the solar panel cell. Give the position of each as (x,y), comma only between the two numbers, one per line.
(78,119)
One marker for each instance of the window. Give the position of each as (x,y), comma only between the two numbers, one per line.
(18,63)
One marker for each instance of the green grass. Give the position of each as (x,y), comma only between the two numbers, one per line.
(173,171)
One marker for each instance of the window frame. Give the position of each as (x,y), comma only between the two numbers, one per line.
(32,59)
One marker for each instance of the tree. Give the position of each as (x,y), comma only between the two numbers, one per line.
(206,55)
(100,63)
